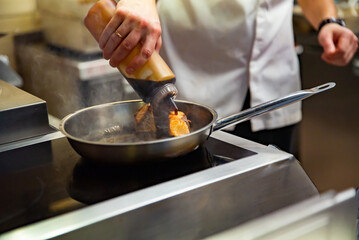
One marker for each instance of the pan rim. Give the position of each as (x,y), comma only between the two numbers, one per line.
(68,135)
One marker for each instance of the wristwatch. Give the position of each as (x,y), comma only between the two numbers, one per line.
(331,20)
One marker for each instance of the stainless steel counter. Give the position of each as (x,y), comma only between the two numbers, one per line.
(328,217)
(191,207)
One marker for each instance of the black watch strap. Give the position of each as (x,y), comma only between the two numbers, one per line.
(331,20)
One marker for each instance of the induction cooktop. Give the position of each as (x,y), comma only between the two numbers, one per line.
(46,179)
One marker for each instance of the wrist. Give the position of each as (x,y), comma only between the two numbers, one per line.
(330,20)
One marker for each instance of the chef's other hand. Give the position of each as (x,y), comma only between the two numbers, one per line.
(339,44)
(135,21)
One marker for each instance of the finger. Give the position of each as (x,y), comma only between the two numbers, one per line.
(325,58)
(116,38)
(148,46)
(337,59)
(334,62)
(158,44)
(344,44)
(346,49)
(349,54)
(326,40)
(125,48)
(110,28)
(111,45)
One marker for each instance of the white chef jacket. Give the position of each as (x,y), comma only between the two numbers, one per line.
(219,48)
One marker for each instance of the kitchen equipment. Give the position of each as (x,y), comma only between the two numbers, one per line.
(87,127)
(8,74)
(62,24)
(18,17)
(68,81)
(48,191)
(16,7)
(22,115)
(20,23)
(328,217)
(7,49)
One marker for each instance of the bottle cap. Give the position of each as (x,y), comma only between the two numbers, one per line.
(166,94)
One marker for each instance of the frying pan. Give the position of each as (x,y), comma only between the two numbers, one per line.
(86,129)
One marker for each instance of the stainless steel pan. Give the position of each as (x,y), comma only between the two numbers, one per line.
(86,128)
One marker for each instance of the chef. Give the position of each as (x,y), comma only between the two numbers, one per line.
(227,54)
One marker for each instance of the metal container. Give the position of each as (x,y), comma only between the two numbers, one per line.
(62,23)
(16,7)
(22,115)
(66,81)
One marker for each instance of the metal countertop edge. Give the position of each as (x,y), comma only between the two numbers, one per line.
(30,141)
(301,210)
(77,219)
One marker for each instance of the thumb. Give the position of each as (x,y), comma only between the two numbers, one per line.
(327,42)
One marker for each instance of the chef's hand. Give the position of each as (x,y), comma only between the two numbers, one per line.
(135,21)
(339,44)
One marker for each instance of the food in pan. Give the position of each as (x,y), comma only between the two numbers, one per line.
(144,121)
(178,124)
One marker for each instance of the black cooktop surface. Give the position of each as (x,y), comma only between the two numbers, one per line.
(47,179)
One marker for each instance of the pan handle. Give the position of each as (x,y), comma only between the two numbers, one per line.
(270,106)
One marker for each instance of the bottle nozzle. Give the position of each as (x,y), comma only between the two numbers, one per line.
(173,105)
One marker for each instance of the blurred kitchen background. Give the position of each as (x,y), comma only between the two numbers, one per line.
(46,50)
